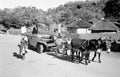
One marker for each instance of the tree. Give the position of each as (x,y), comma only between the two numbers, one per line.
(112,10)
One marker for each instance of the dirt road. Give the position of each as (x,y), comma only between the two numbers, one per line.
(48,65)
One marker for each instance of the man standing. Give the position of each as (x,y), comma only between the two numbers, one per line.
(35,30)
(23,41)
(108,43)
(23,31)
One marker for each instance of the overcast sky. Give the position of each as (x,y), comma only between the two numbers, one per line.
(43,4)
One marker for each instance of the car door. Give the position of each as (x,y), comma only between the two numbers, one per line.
(33,40)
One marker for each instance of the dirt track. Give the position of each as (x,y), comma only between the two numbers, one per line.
(44,65)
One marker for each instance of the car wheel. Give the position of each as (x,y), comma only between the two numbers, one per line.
(39,48)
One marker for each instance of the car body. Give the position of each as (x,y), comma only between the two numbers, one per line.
(40,41)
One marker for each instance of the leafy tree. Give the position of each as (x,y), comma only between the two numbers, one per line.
(67,13)
(112,10)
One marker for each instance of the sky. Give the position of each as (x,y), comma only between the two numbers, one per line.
(39,4)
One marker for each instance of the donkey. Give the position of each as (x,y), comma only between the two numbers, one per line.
(80,46)
(96,45)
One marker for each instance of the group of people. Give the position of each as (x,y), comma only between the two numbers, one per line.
(24,39)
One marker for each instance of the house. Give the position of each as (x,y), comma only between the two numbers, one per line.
(103,26)
(80,27)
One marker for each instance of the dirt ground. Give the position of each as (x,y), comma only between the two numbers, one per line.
(50,65)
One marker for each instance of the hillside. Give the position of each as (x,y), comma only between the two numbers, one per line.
(90,10)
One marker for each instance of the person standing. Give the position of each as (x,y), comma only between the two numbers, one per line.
(23,31)
(23,41)
(108,43)
(35,30)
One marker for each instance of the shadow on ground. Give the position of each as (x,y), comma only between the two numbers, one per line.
(31,48)
(63,57)
(18,56)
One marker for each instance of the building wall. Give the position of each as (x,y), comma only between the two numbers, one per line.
(79,30)
(71,30)
(83,31)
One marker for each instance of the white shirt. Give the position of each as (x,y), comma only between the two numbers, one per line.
(25,38)
(23,29)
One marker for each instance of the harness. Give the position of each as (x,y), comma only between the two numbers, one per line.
(83,45)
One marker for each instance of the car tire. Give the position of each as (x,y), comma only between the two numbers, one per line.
(39,48)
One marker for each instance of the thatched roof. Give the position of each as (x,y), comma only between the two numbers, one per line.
(104,25)
(79,24)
